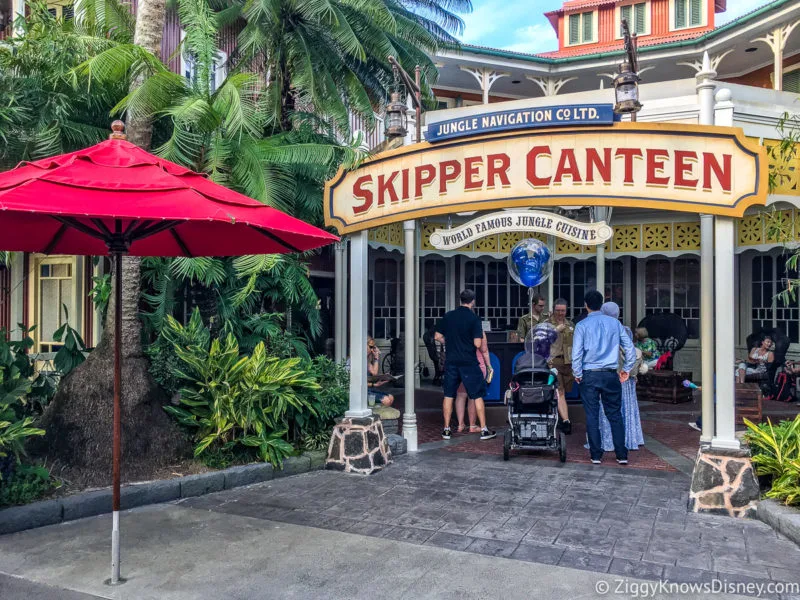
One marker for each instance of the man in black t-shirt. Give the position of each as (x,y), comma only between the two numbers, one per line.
(461,332)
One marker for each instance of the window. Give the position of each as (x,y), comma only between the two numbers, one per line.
(55,292)
(674,286)
(687,13)
(769,279)
(581,28)
(791,80)
(636,15)
(219,69)
(387,298)
(572,279)
(498,298)
(433,291)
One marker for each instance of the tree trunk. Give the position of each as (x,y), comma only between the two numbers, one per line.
(78,421)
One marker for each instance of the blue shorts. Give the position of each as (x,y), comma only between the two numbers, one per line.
(471,376)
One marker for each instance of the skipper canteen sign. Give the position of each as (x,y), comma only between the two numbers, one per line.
(689,168)
(588,234)
(523,118)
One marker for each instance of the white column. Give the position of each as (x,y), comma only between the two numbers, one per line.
(417,308)
(18,282)
(600,253)
(705,98)
(339,302)
(724,437)
(359,246)
(707,324)
(776,40)
(551,244)
(409,331)
(724,292)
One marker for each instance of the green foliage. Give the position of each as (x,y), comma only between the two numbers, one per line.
(42,110)
(164,361)
(317,441)
(26,484)
(776,453)
(231,400)
(329,402)
(70,355)
(16,424)
(101,293)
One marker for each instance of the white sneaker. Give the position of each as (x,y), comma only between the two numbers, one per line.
(694,426)
(595,461)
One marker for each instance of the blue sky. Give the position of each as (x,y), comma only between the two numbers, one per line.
(520,25)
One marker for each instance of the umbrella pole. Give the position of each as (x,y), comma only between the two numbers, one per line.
(116,450)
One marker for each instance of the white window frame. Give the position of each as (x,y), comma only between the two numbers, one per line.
(512,313)
(449,292)
(746,322)
(220,66)
(399,300)
(703,15)
(35,301)
(575,303)
(642,284)
(647,17)
(582,41)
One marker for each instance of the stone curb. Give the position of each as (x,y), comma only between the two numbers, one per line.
(98,502)
(783,519)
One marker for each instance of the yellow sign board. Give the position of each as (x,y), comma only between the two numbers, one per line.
(689,168)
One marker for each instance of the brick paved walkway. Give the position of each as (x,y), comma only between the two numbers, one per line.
(624,522)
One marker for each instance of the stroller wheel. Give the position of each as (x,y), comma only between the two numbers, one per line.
(562,446)
(507,445)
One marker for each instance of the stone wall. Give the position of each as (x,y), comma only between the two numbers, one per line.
(724,483)
(358,446)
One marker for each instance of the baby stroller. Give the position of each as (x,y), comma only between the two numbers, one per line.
(533,402)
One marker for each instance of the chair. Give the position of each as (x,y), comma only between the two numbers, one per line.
(428,338)
(781,345)
(668,331)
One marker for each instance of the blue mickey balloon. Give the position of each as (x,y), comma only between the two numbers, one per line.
(530,262)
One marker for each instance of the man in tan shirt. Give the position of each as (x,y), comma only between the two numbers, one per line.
(561,358)
(539,316)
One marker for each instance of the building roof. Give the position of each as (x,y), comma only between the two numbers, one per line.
(674,41)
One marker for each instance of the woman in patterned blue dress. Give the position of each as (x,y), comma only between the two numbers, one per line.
(630,404)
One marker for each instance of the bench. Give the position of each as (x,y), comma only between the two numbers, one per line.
(664,386)
(748,403)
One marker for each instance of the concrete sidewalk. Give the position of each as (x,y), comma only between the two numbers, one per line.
(176,553)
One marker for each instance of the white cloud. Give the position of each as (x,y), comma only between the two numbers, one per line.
(533,38)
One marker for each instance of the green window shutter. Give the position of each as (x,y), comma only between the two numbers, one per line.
(697,12)
(588,27)
(791,81)
(640,23)
(625,15)
(680,14)
(574,29)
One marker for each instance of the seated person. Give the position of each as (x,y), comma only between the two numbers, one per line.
(373,367)
(759,360)
(647,345)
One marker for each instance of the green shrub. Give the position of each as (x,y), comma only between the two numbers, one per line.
(15,386)
(26,484)
(329,401)
(776,454)
(229,400)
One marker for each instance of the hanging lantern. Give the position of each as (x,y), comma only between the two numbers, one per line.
(626,90)
(395,120)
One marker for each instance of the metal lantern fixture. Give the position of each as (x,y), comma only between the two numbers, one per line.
(626,90)
(626,83)
(395,121)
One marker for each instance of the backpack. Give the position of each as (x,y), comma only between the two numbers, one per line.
(784,389)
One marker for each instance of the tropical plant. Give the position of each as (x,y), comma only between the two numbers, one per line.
(776,454)
(16,426)
(42,112)
(101,293)
(26,484)
(229,400)
(328,403)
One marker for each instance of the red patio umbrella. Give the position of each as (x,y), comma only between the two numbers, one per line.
(113,199)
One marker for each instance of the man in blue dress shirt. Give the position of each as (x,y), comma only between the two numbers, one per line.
(595,360)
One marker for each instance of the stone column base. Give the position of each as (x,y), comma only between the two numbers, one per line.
(358,445)
(724,483)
